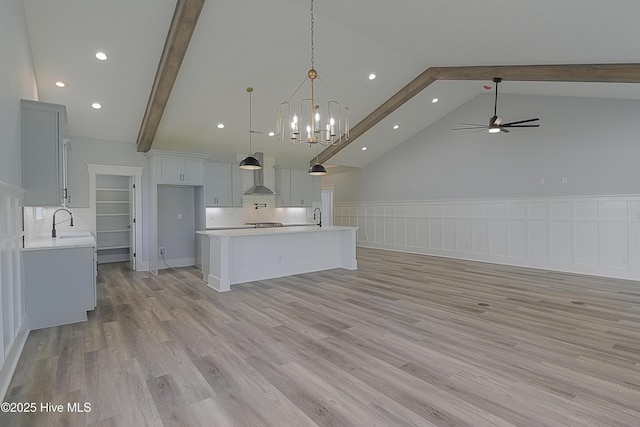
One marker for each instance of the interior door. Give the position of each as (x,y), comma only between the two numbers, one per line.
(132,223)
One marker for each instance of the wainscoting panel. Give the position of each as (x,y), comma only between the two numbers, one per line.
(13,332)
(590,235)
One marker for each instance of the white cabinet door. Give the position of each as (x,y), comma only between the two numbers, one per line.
(170,170)
(180,170)
(42,153)
(222,184)
(300,188)
(283,187)
(217,184)
(192,171)
(237,182)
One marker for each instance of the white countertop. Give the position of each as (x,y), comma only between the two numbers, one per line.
(272,230)
(79,240)
(243,226)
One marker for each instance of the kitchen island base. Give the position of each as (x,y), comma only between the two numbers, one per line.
(238,256)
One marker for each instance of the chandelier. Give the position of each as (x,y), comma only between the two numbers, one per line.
(304,122)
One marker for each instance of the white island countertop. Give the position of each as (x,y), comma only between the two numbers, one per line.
(272,230)
(63,241)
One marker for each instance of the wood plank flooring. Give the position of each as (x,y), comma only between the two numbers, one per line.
(406,340)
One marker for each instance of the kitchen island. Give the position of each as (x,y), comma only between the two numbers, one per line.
(244,255)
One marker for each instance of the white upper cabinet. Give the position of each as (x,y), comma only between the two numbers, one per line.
(300,188)
(180,170)
(237,181)
(43,153)
(283,187)
(295,188)
(217,184)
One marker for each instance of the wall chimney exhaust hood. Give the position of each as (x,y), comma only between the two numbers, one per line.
(258,180)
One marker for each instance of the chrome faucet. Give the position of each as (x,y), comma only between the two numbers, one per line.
(53,230)
(319,216)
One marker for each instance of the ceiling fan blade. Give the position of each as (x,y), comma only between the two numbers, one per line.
(520,121)
(502,129)
(520,126)
(471,128)
(473,124)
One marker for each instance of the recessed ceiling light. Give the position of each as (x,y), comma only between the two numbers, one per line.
(220,125)
(434,100)
(272,133)
(364,148)
(96,105)
(101,56)
(372,76)
(60,84)
(396,126)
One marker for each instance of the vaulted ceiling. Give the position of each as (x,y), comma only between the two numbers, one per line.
(266,45)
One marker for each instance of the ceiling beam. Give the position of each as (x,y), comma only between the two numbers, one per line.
(183,24)
(600,73)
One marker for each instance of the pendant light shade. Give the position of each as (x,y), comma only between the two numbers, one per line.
(250,162)
(317,170)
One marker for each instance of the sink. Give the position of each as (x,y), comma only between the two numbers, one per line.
(73,234)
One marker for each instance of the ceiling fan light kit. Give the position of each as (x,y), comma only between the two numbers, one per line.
(495,123)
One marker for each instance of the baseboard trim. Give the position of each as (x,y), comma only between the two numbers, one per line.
(178,262)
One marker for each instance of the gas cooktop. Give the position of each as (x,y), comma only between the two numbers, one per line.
(264,224)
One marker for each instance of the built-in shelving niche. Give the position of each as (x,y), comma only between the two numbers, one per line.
(113,218)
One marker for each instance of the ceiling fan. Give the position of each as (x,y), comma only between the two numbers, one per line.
(495,123)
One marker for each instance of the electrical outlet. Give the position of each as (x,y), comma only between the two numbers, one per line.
(163,250)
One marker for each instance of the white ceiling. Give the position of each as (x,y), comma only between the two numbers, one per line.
(266,45)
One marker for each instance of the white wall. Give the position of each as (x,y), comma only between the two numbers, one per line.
(177,235)
(434,194)
(87,150)
(592,142)
(18,81)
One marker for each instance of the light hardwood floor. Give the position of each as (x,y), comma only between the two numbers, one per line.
(406,340)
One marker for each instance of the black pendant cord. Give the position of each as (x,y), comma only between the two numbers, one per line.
(250,90)
(495,102)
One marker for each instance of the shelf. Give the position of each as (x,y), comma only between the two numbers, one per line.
(112,201)
(104,248)
(112,189)
(114,231)
(114,214)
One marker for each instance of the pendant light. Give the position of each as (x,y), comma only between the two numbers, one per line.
(250,162)
(317,169)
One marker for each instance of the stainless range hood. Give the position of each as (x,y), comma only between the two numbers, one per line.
(258,179)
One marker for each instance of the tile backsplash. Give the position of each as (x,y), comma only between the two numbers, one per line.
(222,217)
(38,223)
